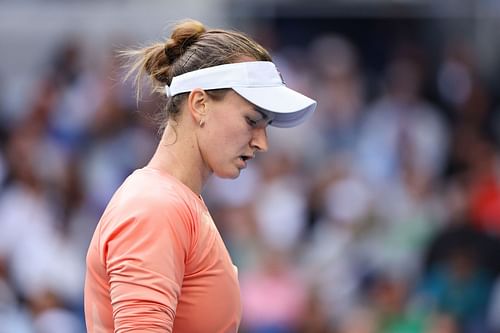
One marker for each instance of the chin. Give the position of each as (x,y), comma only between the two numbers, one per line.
(228,174)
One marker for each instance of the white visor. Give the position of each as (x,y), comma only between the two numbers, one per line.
(259,82)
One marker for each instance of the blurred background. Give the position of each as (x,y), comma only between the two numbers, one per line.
(379,215)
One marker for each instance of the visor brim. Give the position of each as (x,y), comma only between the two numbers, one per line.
(289,107)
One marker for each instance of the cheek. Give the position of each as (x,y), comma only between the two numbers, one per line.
(231,135)
(222,143)
(235,139)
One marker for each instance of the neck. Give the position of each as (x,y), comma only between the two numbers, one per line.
(179,156)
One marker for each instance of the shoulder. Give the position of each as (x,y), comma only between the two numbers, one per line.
(152,199)
(153,190)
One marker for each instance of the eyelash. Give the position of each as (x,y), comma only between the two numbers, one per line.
(251,122)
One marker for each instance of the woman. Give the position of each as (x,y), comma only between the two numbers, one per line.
(156,262)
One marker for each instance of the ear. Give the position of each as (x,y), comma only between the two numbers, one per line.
(197,104)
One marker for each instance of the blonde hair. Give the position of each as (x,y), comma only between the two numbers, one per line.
(190,47)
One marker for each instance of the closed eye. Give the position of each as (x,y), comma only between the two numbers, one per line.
(252,123)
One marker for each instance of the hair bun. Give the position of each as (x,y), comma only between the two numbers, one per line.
(183,36)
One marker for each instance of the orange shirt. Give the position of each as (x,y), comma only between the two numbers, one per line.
(157,263)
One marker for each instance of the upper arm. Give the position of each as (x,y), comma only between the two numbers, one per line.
(145,262)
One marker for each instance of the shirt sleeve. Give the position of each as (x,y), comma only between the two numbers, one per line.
(145,261)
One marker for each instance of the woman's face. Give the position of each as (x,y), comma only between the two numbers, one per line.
(233,131)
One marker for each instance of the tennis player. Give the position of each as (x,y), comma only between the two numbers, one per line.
(156,262)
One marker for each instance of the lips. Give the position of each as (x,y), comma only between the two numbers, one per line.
(246,157)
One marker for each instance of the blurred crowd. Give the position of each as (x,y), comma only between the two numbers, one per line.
(379,215)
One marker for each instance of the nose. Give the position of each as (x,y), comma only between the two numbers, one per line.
(259,140)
